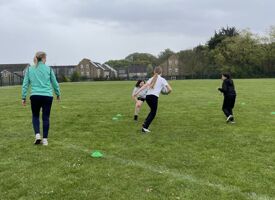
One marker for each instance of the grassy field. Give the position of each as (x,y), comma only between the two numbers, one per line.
(191,152)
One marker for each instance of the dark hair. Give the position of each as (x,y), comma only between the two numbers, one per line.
(227,75)
(138,82)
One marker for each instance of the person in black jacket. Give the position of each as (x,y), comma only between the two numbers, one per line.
(228,90)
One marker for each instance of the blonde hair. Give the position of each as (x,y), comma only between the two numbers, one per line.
(38,57)
(157,71)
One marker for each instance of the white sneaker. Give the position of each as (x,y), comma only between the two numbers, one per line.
(145,130)
(229,118)
(37,139)
(45,142)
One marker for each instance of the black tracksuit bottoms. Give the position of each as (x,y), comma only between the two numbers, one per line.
(228,105)
(38,102)
(152,102)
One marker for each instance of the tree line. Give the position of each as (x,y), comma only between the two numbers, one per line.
(242,53)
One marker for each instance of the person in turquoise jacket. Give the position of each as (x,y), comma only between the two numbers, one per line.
(42,81)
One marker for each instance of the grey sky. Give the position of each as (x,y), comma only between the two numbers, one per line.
(70,30)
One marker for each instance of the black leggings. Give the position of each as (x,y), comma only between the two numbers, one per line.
(228,105)
(152,102)
(38,102)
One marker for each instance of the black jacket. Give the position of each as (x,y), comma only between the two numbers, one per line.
(228,88)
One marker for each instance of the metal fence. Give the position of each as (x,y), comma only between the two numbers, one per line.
(10,79)
(15,79)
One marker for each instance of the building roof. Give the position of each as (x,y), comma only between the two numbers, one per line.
(104,67)
(13,67)
(98,65)
(63,66)
(109,67)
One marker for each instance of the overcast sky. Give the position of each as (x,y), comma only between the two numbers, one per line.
(70,30)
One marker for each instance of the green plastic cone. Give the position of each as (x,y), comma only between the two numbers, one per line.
(119,115)
(115,118)
(272,113)
(96,154)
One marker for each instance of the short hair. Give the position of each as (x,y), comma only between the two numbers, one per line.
(227,75)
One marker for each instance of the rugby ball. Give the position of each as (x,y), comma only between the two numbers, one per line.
(164,91)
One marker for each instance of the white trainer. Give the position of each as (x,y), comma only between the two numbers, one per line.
(37,139)
(229,118)
(145,130)
(45,142)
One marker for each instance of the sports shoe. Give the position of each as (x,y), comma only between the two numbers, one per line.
(135,117)
(229,118)
(145,130)
(45,142)
(232,122)
(37,139)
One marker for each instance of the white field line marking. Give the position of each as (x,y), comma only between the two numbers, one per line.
(176,175)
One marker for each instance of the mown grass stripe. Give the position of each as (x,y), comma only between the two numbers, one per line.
(174,174)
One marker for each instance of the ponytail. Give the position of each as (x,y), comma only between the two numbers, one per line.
(38,57)
(157,71)
(35,61)
(154,80)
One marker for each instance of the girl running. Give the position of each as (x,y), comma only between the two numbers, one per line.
(228,90)
(140,98)
(154,85)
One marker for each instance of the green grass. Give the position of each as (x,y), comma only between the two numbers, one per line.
(191,152)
